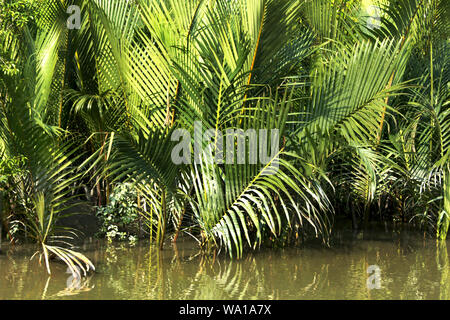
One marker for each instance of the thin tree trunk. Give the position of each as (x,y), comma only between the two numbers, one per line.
(354,220)
(161,222)
(99,192)
(139,214)
(366,216)
(11,209)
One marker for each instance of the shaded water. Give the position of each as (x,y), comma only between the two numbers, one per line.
(411,267)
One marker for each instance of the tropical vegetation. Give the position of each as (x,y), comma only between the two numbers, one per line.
(359,91)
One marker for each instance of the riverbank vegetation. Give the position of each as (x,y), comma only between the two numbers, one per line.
(359,91)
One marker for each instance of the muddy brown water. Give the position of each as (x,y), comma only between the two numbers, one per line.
(384,264)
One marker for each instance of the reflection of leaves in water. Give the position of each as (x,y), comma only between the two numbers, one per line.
(291,274)
(318,281)
(416,271)
(111,256)
(76,287)
(226,282)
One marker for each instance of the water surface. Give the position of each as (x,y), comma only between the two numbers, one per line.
(411,267)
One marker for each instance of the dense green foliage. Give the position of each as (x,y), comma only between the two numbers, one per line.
(120,217)
(362,104)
